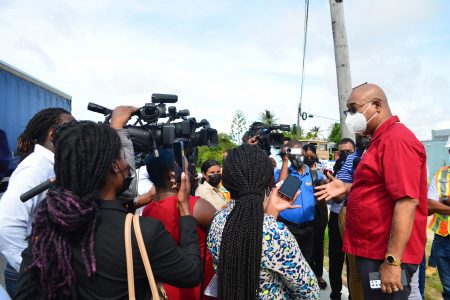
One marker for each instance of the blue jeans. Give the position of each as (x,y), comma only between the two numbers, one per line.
(421,271)
(11,276)
(432,258)
(441,247)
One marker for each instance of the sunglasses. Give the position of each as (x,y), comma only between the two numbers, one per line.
(353,107)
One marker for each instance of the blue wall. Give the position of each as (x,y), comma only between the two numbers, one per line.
(20,100)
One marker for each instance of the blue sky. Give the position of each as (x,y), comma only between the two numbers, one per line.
(220,56)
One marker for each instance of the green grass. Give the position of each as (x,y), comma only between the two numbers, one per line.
(433,285)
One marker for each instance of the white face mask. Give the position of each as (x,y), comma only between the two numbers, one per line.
(356,122)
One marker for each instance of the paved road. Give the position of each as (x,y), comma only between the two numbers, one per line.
(325,294)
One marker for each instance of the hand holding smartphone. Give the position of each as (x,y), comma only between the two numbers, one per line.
(277,202)
(375,279)
(290,187)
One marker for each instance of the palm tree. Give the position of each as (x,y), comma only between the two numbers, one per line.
(268,117)
(315,132)
(293,133)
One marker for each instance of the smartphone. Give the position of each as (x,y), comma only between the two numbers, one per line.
(290,186)
(375,280)
(178,154)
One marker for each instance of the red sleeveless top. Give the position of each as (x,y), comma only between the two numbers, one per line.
(166,210)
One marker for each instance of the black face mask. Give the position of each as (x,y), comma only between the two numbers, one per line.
(126,181)
(309,161)
(296,161)
(362,143)
(214,179)
(344,153)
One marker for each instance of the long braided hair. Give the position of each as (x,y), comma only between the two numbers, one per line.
(247,172)
(37,129)
(83,158)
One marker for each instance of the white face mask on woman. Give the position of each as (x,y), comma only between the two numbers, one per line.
(356,122)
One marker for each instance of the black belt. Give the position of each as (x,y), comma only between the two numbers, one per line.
(298,225)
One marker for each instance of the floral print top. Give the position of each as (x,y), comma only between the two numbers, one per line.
(285,274)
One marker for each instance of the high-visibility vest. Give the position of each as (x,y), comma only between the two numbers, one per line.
(440,224)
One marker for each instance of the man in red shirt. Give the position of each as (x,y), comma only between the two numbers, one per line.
(387,202)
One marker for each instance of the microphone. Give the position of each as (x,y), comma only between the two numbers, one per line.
(37,190)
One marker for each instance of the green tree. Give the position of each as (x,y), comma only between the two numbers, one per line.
(268,117)
(313,133)
(293,133)
(238,126)
(205,152)
(335,133)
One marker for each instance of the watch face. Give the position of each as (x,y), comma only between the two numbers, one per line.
(390,259)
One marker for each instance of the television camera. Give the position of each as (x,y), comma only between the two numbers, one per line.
(148,135)
(267,136)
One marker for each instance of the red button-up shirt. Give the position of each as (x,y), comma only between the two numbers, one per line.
(393,167)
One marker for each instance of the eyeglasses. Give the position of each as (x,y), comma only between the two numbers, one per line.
(354,107)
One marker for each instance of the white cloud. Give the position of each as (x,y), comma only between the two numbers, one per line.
(222,56)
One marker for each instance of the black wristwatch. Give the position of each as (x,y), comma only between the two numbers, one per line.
(392,260)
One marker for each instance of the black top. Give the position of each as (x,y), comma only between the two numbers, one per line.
(178,266)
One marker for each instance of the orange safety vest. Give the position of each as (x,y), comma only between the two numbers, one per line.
(440,224)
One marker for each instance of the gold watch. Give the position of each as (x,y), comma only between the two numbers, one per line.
(392,260)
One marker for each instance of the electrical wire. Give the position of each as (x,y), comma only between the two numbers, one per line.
(317,116)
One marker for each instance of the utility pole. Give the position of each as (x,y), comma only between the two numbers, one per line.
(344,81)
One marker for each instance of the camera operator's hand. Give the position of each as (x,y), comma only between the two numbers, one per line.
(121,115)
(253,140)
(283,154)
(184,192)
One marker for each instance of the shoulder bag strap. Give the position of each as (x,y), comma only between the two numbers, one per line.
(129,257)
(145,260)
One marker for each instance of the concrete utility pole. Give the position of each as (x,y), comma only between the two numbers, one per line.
(344,81)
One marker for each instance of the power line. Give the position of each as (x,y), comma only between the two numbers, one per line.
(305,34)
(317,116)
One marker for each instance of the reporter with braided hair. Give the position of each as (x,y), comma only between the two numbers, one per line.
(255,256)
(77,247)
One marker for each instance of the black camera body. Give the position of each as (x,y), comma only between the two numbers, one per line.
(267,136)
(148,134)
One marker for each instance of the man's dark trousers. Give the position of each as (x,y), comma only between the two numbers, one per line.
(336,256)
(304,235)
(320,223)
